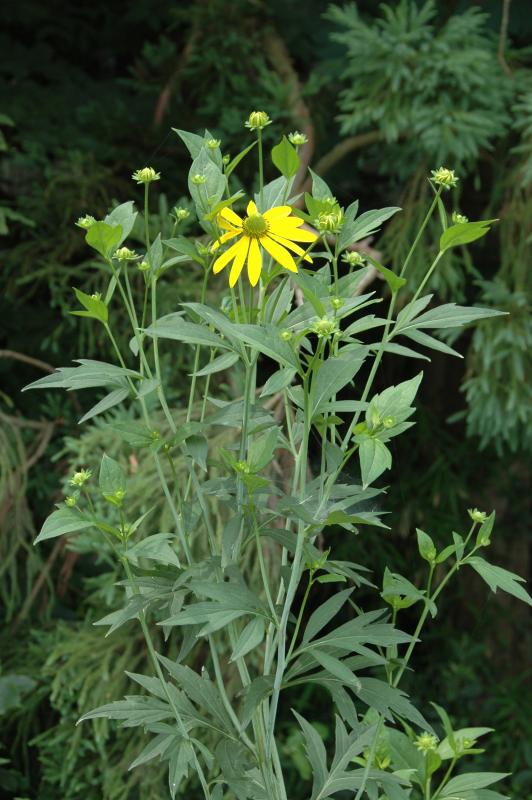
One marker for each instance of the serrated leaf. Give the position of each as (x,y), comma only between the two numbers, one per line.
(250,638)
(322,615)
(173,326)
(112,477)
(499,578)
(331,377)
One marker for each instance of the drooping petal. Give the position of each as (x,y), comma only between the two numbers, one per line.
(251,209)
(254,262)
(228,216)
(295,248)
(278,211)
(226,257)
(279,253)
(295,234)
(224,238)
(239,261)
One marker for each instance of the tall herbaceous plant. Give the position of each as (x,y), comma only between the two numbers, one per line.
(233,584)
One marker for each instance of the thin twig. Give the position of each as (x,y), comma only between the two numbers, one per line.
(35,362)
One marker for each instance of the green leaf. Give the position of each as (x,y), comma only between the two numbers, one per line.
(228,201)
(449,315)
(426,547)
(393,280)
(430,341)
(336,668)
(365,225)
(155,548)
(135,434)
(111,400)
(124,216)
(207,194)
(238,158)
(12,690)
(285,158)
(375,458)
(112,477)
(104,238)
(456,787)
(218,364)
(251,637)
(316,752)
(278,381)
(320,190)
(192,141)
(322,615)
(95,307)
(445,751)
(266,339)
(173,326)
(499,578)
(134,605)
(184,246)
(64,520)
(332,375)
(154,255)
(464,233)
(484,533)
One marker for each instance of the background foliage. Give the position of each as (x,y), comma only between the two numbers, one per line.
(383,94)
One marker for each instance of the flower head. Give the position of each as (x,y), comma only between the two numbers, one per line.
(353,258)
(146,175)
(297,139)
(198,179)
(426,742)
(258,120)
(458,219)
(276,231)
(86,222)
(330,221)
(324,327)
(71,501)
(81,477)
(125,254)
(213,144)
(444,177)
(476,515)
(181,214)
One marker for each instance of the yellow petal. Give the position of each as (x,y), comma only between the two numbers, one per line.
(223,239)
(228,216)
(254,262)
(226,257)
(251,209)
(239,261)
(295,234)
(293,222)
(279,253)
(278,211)
(295,248)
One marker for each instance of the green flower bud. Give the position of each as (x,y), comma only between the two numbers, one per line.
(388,422)
(258,120)
(476,515)
(444,177)
(71,501)
(86,222)
(81,477)
(324,327)
(297,139)
(117,497)
(146,175)
(96,296)
(198,179)
(337,303)
(330,221)
(143,266)
(353,259)
(125,254)
(426,742)
(458,219)
(243,467)
(286,336)
(181,214)
(226,159)
(213,144)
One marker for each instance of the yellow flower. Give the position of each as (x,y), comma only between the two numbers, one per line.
(275,231)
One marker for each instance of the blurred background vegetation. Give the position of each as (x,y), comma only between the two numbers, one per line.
(89,92)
